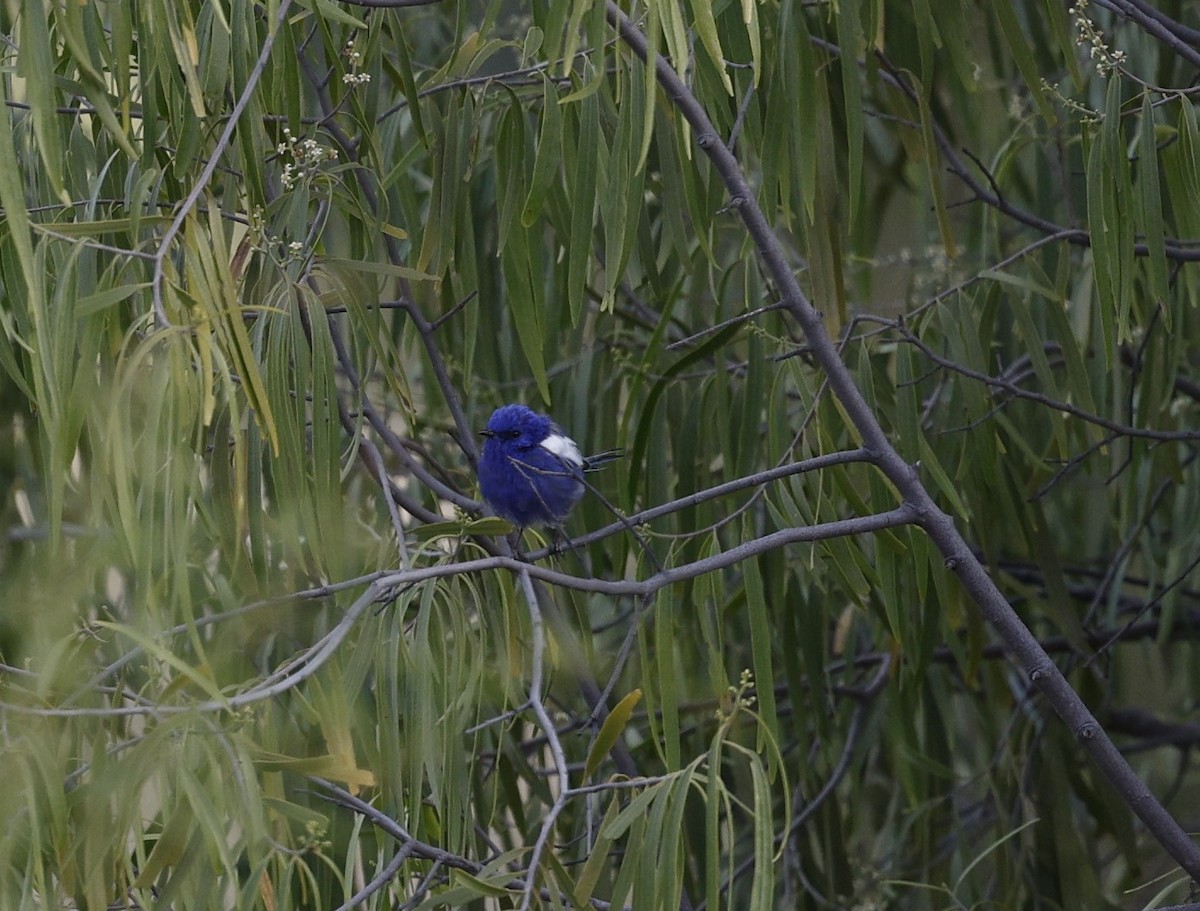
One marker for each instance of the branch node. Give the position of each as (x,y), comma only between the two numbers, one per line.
(735,202)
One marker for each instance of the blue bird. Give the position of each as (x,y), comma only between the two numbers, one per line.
(531,473)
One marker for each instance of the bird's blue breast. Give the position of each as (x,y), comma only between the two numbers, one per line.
(528,486)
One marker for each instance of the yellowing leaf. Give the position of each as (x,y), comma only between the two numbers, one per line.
(613,726)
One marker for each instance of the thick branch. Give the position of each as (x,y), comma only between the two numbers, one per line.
(936,523)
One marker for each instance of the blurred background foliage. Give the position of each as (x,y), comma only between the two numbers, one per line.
(252,253)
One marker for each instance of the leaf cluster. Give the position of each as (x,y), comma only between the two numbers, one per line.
(265,268)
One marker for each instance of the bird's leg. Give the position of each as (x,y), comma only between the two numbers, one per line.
(558,538)
(514,541)
(562,544)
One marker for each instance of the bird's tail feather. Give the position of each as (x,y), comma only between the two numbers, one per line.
(600,459)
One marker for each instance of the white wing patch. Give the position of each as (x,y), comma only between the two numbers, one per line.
(563,447)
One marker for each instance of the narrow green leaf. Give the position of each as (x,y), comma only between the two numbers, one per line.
(12,197)
(1062,28)
(389,270)
(573,34)
(632,863)
(559,881)
(438,241)
(654,882)
(597,858)
(583,205)
(36,66)
(669,19)
(1078,382)
(408,85)
(635,809)
(611,730)
(646,421)
(750,20)
(762,882)
(1181,162)
(510,169)
(333,12)
(525,295)
(1034,334)
(93,84)
(475,886)
(710,39)
(214,53)
(549,154)
(210,821)
(669,671)
(1006,15)
(164,655)
(1119,206)
(210,279)
(1106,256)
(930,463)
(908,405)
(933,171)
(1152,212)
(169,848)
(99,226)
(761,639)
(670,874)
(620,204)
(800,77)
(102,300)
(928,37)
(849,29)
(713,792)
(650,80)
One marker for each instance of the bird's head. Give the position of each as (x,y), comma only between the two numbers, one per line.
(517,427)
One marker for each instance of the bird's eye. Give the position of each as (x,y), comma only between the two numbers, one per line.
(511,434)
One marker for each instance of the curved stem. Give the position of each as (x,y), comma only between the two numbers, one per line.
(536,682)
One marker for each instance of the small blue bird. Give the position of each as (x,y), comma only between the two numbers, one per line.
(531,473)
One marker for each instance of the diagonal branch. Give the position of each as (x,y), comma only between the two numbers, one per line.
(937,524)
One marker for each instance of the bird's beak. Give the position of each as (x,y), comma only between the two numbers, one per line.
(487,433)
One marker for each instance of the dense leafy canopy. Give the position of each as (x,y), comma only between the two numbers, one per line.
(266,268)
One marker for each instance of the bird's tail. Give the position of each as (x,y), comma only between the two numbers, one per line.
(600,459)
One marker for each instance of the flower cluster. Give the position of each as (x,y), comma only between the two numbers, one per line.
(279,249)
(354,77)
(1089,36)
(307,156)
(1087,115)
(737,697)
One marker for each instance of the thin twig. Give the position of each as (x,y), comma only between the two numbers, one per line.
(164,244)
(386,874)
(536,676)
(996,382)
(759,478)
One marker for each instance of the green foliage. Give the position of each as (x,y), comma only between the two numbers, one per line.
(266,267)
